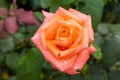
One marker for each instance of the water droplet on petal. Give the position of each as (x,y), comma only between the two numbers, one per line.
(65,62)
(76,67)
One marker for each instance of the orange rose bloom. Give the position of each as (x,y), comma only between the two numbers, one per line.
(65,38)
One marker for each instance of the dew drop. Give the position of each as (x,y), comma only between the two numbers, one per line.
(65,62)
(76,67)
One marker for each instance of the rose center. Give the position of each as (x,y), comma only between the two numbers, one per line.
(63,32)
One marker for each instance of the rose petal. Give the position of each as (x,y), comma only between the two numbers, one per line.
(43,39)
(67,15)
(62,65)
(87,23)
(50,31)
(84,39)
(53,49)
(92,49)
(44,27)
(47,14)
(83,56)
(79,63)
(77,13)
(11,24)
(59,53)
(48,17)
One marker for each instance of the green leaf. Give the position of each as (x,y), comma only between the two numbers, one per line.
(99,40)
(18,38)
(95,68)
(31,67)
(7,44)
(35,4)
(34,56)
(115,29)
(77,77)
(103,28)
(96,77)
(2,56)
(116,12)
(115,67)
(12,78)
(62,77)
(12,61)
(32,29)
(114,75)
(3,3)
(105,1)
(67,2)
(54,4)
(84,70)
(22,28)
(39,16)
(111,50)
(47,65)
(96,72)
(45,3)
(98,53)
(93,8)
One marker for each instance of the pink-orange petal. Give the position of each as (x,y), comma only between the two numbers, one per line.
(78,13)
(67,15)
(48,17)
(67,52)
(51,22)
(39,38)
(43,39)
(53,49)
(47,28)
(85,37)
(92,49)
(47,14)
(84,40)
(79,63)
(61,65)
(63,43)
(57,52)
(87,23)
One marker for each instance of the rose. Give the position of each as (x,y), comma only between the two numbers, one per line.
(65,39)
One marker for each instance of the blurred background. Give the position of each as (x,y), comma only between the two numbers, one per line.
(21,60)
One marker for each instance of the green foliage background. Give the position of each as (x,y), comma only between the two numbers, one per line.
(21,60)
